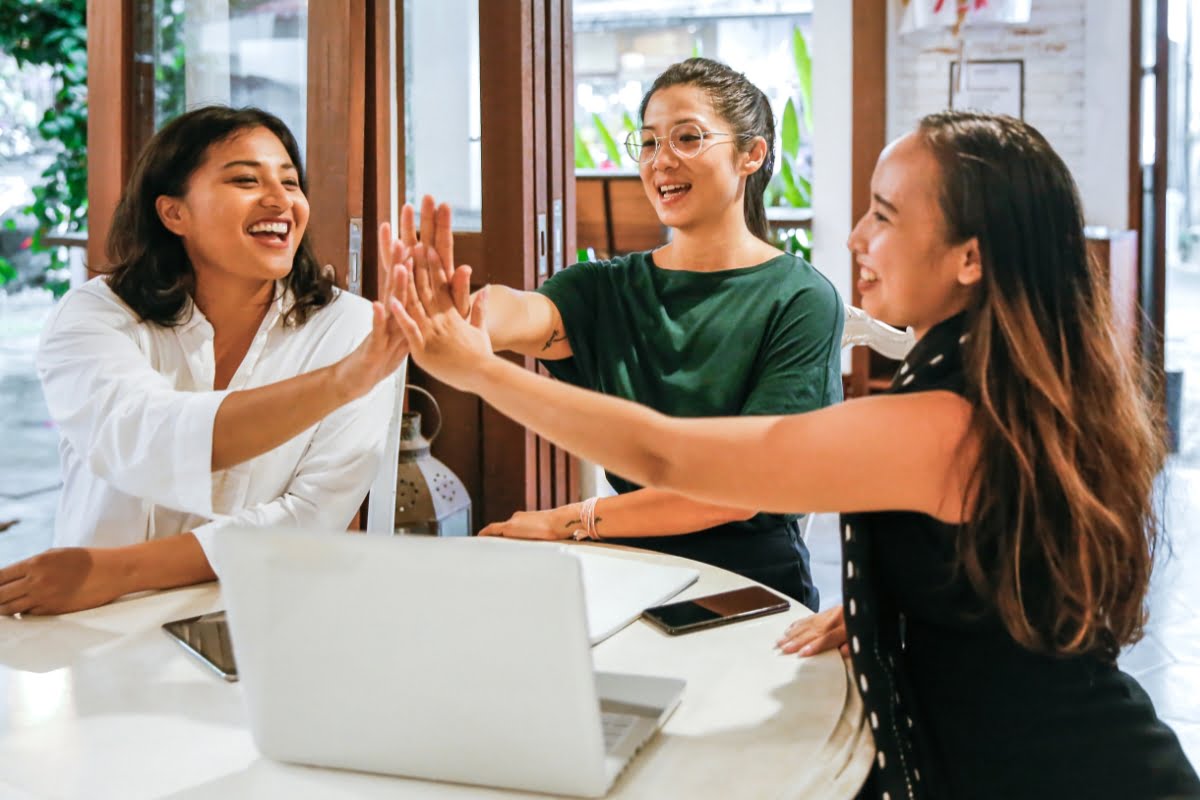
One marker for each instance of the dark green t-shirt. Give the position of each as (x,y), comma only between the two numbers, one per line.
(758,340)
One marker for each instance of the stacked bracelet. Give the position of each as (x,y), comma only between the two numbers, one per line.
(587,520)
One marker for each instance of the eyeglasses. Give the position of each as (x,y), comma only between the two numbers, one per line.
(686,139)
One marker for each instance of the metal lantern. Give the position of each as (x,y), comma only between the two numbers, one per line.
(430,499)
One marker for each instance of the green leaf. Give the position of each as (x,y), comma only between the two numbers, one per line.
(583,157)
(805,187)
(792,192)
(7,271)
(790,133)
(803,74)
(696,48)
(630,125)
(610,144)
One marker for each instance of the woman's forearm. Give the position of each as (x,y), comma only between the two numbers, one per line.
(158,564)
(870,454)
(251,422)
(254,421)
(553,409)
(653,512)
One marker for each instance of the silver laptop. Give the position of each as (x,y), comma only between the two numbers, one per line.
(458,660)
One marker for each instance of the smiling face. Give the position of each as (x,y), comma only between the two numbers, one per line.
(689,193)
(907,271)
(243,212)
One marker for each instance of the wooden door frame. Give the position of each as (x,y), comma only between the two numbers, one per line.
(506,64)
(337,87)
(868,135)
(110,64)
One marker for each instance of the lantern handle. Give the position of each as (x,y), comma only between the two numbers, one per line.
(436,407)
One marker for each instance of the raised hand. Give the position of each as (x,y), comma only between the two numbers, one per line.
(393,253)
(815,634)
(380,354)
(437,231)
(441,341)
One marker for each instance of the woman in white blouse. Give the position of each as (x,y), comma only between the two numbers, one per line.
(213,377)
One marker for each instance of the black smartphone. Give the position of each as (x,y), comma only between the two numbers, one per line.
(207,638)
(715,609)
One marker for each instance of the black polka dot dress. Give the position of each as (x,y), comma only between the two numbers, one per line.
(956,707)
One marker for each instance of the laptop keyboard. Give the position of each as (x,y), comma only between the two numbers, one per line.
(615,727)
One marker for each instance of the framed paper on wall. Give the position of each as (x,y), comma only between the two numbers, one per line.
(997,87)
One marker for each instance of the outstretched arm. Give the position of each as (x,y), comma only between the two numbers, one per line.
(135,430)
(901,452)
(326,488)
(70,579)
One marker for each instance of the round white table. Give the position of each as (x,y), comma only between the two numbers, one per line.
(102,704)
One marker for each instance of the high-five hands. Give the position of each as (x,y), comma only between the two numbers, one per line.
(380,354)
(444,344)
(437,232)
(382,351)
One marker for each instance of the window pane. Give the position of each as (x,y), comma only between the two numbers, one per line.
(234,52)
(622,46)
(442,137)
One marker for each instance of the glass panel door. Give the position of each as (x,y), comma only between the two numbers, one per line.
(232,52)
(304,62)
(443,137)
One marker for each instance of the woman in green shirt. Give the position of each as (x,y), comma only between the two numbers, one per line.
(718,322)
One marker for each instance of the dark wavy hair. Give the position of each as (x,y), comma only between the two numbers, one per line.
(148,266)
(747,110)
(1062,535)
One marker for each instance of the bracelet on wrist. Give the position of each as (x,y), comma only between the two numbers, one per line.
(587,521)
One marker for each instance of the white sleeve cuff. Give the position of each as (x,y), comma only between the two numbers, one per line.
(192,459)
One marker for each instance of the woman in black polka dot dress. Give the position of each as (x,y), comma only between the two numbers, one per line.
(997,524)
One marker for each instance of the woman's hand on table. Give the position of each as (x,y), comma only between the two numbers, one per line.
(816,634)
(553,524)
(444,344)
(61,580)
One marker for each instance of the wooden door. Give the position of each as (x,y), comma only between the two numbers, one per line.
(508,60)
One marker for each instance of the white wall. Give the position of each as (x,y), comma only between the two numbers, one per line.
(1076,55)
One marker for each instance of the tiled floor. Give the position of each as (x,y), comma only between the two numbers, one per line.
(1166,661)
(29,478)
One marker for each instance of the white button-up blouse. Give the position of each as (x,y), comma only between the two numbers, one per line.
(135,406)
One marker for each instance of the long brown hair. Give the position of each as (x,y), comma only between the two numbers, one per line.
(748,112)
(1062,534)
(148,267)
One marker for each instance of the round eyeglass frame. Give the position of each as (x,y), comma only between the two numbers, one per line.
(634,141)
